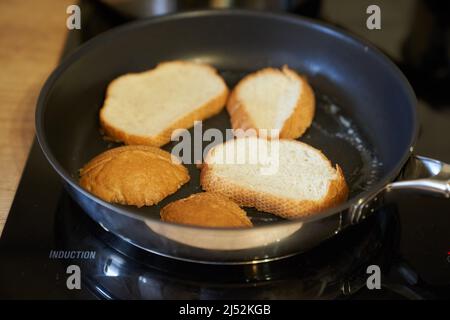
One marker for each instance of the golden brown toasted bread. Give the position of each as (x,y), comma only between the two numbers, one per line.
(134,175)
(206,209)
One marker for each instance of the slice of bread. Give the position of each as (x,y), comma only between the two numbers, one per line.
(272,99)
(133,175)
(206,209)
(303,183)
(145,108)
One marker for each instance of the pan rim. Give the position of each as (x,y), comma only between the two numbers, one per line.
(290,18)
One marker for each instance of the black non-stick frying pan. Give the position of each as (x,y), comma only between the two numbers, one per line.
(365,121)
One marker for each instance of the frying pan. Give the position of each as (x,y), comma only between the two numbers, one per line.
(365,121)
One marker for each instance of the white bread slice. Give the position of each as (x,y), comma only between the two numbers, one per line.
(305,182)
(144,108)
(272,99)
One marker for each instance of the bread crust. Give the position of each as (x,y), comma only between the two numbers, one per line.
(284,207)
(303,114)
(206,209)
(133,175)
(294,126)
(205,111)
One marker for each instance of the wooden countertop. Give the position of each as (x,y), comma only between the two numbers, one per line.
(32,35)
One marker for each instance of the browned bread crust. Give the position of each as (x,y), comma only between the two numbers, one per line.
(133,175)
(206,209)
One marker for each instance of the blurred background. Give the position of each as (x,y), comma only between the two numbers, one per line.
(33,37)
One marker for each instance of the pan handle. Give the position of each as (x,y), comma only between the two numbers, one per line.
(424,174)
(420,173)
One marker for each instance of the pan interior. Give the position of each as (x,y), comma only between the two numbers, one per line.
(333,131)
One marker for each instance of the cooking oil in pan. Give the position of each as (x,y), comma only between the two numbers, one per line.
(338,136)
